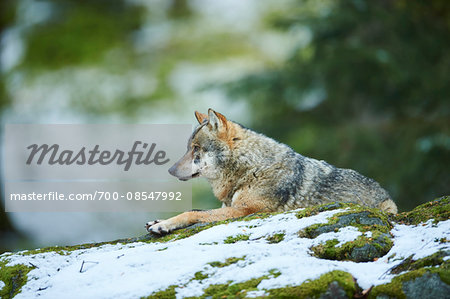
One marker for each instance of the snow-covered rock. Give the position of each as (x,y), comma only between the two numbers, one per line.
(329,251)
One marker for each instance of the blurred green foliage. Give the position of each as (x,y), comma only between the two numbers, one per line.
(370,92)
(80,31)
(7,14)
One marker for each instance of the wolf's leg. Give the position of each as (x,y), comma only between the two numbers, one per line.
(192,217)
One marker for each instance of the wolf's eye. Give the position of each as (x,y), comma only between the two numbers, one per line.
(196,148)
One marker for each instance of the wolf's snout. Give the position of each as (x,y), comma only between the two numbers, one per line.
(183,168)
(173,169)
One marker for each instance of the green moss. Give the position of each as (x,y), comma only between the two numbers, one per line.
(236,290)
(315,288)
(237,238)
(200,275)
(309,289)
(439,210)
(168,293)
(14,278)
(395,287)
(228,261)
(275,238)
(443,271)
(327,250)
(215,289)
(162,249)
(274,273)
(233,290)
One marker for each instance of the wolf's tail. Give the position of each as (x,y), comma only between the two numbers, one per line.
(388,206)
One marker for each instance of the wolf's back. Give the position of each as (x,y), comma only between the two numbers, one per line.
(318,182)
(347,185)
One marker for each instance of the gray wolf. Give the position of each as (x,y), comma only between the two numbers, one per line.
(250,173)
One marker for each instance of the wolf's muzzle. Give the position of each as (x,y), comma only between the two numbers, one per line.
(172,170)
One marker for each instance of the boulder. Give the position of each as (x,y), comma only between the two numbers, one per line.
(329,251)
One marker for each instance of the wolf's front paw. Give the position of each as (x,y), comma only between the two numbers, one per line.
(150,223)
(158,227)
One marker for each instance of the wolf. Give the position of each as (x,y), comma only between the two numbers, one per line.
(250,172)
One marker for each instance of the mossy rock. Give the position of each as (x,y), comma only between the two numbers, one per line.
(438,210)
(363,248)
(431,282)
(409,264)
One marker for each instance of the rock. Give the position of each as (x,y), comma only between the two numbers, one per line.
(423,283)
(428,285)
(375,241)
(329,251)
(428,277)
(334,291)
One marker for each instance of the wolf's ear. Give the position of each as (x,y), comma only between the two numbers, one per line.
(217,121)
(200,117)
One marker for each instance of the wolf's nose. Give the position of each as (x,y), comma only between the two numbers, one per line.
(172,170)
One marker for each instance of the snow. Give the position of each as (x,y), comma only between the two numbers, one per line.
(139,269)
(254,294)
(343,235)
(368,234)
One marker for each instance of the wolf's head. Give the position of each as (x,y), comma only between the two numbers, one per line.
(209,148)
